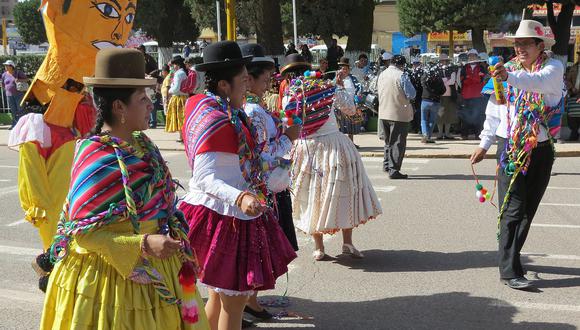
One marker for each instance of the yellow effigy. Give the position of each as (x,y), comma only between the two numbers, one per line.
(76,31)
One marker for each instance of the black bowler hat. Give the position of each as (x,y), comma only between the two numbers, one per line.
(258,54)
(344,61)
(295,62)
(222,55)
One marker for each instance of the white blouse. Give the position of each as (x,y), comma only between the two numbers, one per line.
(178,78)
(216,183)
(267,132)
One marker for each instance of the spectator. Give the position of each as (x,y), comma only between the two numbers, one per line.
(150,63)
(433,88)
(471,81)
(12,79)
(395,113)
(349,125)
(323,69)
(291,49)
(415,76)
(361,67)
(334,53)
(186,50)
(305,52)
(167,74)
(386,59)
(572,107)
(448,109)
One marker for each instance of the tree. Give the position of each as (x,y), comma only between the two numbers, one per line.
(443,15)
(360,30)
(269,28)
(28,20)
(153,16)
(324,18)
(560,26)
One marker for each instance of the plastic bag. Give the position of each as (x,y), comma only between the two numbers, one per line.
(344,102)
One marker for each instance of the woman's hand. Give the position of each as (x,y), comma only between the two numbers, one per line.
(477,155)
(161,246)
(251,206)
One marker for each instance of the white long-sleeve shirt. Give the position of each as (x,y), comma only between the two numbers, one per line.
(216,183)
(549,81)
(178,78)
(267,132)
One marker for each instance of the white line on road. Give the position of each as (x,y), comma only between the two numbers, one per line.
(8,166)
(284,325)
(548,307)
(5,249)
(551,256)
(5,180)
(16,223)
(560,204)
(8,190)
(563,188)
(24,296)
(407,160)
(385,189)
(549,225)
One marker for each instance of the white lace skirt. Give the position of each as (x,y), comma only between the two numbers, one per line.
(331,190)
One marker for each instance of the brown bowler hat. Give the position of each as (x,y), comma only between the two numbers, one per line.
(295,63)
(119,68)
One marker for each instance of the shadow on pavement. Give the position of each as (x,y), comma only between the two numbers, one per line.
(389,261)
(456,310)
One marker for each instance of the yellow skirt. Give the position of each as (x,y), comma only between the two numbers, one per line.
(175,113)
(86,292)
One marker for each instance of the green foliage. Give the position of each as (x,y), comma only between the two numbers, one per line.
(27,63)
(28,20)
(166,21)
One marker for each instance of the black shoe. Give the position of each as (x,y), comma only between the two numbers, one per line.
(398,175)
(247,324)
(43,283)
(518,283)
(263,315)
(429,140)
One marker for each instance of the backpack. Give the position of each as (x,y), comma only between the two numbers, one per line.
(188,85)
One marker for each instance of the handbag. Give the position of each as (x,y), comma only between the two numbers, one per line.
(22,86)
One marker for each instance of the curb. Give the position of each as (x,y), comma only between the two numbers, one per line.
(563,154)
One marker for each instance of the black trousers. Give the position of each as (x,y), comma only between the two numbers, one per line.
(285,217)
(526,194)
(574,124)
(395,144)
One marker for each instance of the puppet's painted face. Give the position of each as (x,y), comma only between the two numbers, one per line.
(100,23)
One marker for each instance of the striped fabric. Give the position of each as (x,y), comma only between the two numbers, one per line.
(207,128)
(573,108)
(318,106)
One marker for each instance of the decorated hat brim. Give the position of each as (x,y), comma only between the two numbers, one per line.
(119,82)
(223,64)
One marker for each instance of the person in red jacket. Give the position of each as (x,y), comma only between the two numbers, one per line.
(472,112)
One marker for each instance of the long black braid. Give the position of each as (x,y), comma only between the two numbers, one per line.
(103,99)
(212,78)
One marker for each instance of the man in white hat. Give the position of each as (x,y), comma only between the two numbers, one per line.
(525,132)
(386,58)
(471,81)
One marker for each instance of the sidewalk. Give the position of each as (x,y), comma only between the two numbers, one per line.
(370,145)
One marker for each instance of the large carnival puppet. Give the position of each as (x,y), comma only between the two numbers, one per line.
(58,106)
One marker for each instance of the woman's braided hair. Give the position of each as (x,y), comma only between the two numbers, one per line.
(103,99)
(212,78)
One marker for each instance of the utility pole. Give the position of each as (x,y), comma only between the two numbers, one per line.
(231,19)
(219,20)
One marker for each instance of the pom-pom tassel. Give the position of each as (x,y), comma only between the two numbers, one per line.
(189,306)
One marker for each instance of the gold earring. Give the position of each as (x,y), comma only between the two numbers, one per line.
(123,119)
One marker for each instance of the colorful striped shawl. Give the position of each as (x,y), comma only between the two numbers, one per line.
(319,96)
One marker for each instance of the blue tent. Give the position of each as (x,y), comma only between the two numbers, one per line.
(400,41)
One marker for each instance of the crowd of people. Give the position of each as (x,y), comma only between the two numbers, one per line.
(128,254)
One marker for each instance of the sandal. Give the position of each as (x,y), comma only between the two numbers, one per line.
(352,251)
(318,255)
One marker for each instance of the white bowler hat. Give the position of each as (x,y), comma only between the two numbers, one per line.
(387,56)
(472,51)
(9,62)
(532,29)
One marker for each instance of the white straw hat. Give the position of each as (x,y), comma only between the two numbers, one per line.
(532,29)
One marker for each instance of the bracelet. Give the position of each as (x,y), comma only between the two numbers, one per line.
(143,247)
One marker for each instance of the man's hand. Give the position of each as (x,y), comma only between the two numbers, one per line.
(478,155)
(500,72)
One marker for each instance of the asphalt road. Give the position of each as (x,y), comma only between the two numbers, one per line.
(430,259)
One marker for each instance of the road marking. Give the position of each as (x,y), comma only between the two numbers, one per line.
(549,225)
(548,307)
(5,180)
(407,160)
(8,166)
(560,204)
(21,296)
(22,251)
(8,190)
(403,169)
(563,188)
(16,223)
(551,256)
(385,189)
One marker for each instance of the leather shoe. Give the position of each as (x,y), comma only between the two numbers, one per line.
(247,324)
(398,175)
(518,283)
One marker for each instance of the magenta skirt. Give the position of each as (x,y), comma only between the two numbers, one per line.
(237,255)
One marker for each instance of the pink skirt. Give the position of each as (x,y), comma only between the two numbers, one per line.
(237,255)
